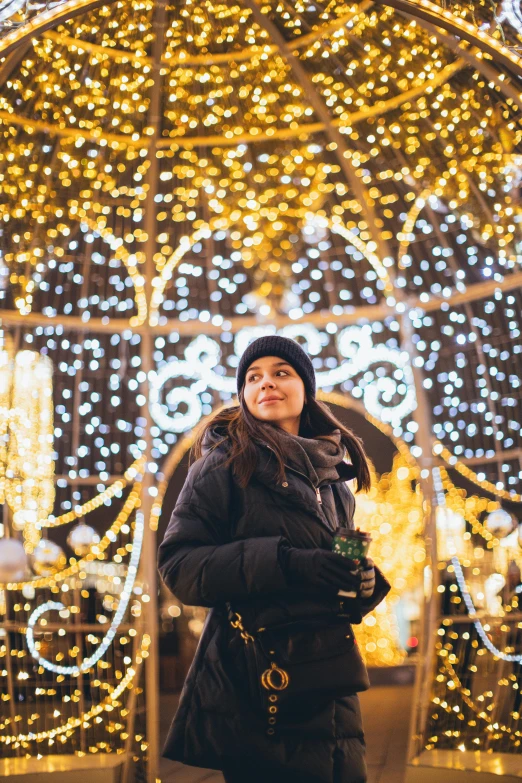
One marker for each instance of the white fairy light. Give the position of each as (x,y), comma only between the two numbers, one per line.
(511,11)
(104,645)
(472,613)
(9,8)
(464,590)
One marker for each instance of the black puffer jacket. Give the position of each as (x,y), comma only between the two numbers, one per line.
(223,543)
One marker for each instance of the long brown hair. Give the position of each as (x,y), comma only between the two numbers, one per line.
(242,430)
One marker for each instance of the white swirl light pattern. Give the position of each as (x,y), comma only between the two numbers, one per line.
(354,343)
(9,8)
(473,613)
(511,11)
(464,590)
(105,643)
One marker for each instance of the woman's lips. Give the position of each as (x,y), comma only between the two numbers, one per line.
(267,402)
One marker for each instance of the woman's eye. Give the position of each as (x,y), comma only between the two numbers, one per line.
(251,377)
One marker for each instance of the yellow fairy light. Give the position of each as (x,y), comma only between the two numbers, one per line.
(441,451)
(98,500)
(26,426)
(106,705)
(133,501)
(391,507)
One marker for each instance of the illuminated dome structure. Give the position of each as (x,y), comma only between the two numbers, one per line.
(177,179)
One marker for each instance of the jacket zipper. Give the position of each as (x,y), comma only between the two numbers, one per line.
(317,490)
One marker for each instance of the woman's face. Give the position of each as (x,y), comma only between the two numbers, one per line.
(274,392)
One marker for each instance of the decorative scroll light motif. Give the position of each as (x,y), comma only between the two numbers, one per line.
(105,643)
(354,343)
(512,11)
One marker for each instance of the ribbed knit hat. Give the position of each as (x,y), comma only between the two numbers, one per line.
(275,345)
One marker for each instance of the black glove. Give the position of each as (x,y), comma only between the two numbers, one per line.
(320,568)
(367,577)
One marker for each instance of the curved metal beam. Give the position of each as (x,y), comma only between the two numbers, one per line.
(47,19)
(471,56)
(381,107)
(72,133)
(473,293)
(104,51)
(429,12)
(239,55)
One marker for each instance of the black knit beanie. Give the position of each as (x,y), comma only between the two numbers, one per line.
(275,345)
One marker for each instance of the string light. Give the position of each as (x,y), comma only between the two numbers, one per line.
(132,502)
(115,489)
(477,623)
(107,640)
(203,356)
(106,705)
(440,451)
(254,215)
(391,508)
(26,432)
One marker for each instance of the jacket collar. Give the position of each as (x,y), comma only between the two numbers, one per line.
(301,491)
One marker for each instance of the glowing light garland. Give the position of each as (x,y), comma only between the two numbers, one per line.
(464,588)
(107,705)
(26,432)
(98,549)
(97,501)
(473,613)
(105,643)
(441,451)
(480,712)
(467,122)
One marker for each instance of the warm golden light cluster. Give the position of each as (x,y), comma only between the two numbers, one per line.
(392,512)
(476,703)
(76,157)
(26,438)
(186,166)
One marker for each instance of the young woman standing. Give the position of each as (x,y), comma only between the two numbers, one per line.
(251,536)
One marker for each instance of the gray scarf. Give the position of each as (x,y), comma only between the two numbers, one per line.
(315,457)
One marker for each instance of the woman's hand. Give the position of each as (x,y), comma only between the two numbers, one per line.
(367,578)
(320,568)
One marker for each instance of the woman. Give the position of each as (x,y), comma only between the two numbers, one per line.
(253,527)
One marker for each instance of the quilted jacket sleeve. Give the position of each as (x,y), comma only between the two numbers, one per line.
(196,559)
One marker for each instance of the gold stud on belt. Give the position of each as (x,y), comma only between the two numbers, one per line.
(274,679)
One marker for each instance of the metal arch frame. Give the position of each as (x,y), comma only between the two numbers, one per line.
(342,150)
(212,59)
(76,8)
(426,11)
(470,56)
(188,142)
(473,293)
(47,19)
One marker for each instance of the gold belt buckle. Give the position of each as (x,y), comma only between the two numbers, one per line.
(268,681)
